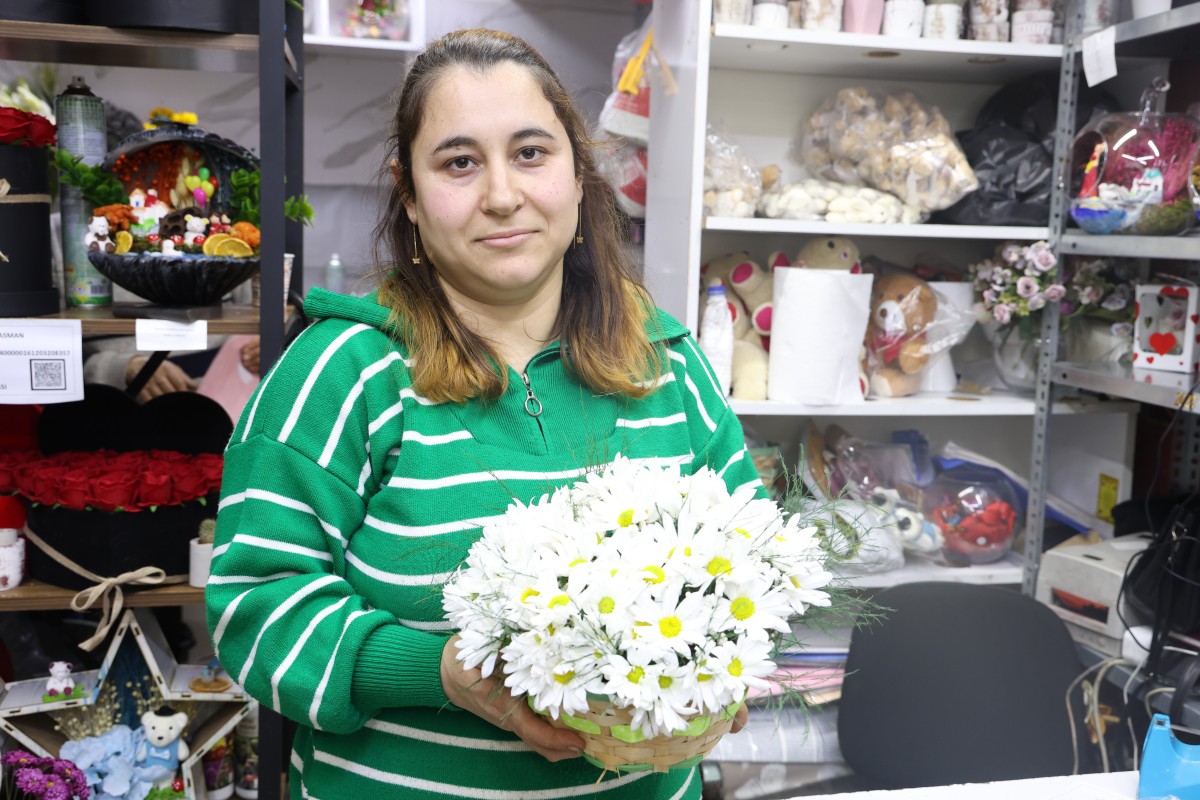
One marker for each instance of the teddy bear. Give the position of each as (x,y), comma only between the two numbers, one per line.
(60,681)
(159,756)
(830,252)
(750,298)
(194,229)
(902,309)
(96,237)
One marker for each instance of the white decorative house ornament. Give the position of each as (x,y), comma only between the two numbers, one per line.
(1166,330)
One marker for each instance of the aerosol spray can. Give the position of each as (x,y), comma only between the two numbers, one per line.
(82,132)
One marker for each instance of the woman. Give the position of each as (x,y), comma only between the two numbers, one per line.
(508,350)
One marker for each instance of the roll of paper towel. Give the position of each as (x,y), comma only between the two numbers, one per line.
(817,328)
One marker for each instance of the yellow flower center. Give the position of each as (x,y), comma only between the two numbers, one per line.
(656,574)
(636,674)
(742,608)
(795,581)
(577,562)
(719,566)
(701,677)
(735,667)
(687,551)
(625,518)
(565,677)
(670,626)
(742,531)
(528,593)
(558,600)
(607,604)
(665,681)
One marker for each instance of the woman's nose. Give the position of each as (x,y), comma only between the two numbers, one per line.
(504,194)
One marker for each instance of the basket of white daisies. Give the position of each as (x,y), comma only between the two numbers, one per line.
(637,607)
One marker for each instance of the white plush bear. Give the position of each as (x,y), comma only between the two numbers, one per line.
(196,226)
(159,756)
(96,237)
(60,680)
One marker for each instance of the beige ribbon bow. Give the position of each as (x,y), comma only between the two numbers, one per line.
(107,591)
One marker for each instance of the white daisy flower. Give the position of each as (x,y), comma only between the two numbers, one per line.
(753,608)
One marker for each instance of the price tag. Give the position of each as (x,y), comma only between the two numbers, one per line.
(160,334)
(41,361)
(1100,56)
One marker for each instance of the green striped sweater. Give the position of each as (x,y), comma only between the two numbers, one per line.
(347,501)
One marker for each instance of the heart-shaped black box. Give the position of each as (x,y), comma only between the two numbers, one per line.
(111,543)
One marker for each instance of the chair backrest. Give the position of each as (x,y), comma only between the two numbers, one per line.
(957,683)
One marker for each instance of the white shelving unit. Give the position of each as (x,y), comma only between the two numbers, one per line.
(320,37)
(822,228)
(758,86)
(854,55)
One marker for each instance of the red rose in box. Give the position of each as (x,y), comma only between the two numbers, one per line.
(118,486)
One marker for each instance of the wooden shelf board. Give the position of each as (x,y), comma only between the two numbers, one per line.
(234,319)
(359,48)
(36,596)
(127,47)
(916,231)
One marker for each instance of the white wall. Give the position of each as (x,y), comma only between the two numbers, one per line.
(347,106)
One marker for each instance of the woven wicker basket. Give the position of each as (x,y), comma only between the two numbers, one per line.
(613,744)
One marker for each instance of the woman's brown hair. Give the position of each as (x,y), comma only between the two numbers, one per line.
(605,310)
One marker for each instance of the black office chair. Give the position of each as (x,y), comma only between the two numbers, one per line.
(956,683)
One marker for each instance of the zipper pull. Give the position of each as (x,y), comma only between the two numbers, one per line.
(533,406)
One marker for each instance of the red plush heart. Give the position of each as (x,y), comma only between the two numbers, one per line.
(1163,343)
(1135,355)
(1149,360)
(1195,318)
(1174,291)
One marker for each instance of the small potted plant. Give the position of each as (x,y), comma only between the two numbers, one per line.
(200,554)
(28,776)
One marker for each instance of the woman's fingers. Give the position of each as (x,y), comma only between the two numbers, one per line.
(740,718)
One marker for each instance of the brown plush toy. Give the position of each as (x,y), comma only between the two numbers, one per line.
(902,309)
(829,252)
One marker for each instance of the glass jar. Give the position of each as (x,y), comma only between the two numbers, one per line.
(369,19)
(978,516)
(1131,172)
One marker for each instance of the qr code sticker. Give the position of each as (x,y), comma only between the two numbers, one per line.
(48,374)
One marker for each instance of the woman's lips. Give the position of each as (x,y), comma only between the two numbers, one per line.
(507,239)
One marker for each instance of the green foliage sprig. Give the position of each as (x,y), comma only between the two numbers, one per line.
(99,188)
(246,198)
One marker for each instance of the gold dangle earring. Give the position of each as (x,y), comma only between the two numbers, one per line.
(579,233)
(416,257)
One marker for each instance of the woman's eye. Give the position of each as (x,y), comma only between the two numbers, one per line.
(462,162)
(530,153)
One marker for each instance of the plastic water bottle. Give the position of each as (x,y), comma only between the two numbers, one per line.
(334,276)
(716,334)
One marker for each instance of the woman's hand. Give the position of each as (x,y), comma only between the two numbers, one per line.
(490,699)
(740,718)
(249,355)
(169,377)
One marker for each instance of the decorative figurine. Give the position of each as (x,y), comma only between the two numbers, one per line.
(96,237)
(210,679)
(195,227)
(60,685)
(159,756)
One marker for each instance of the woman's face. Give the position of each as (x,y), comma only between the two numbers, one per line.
(496,197)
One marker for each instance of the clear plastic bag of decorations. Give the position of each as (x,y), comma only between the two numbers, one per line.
(977,516)
(1131,172)
(814,199)
(894,143)
(732,184)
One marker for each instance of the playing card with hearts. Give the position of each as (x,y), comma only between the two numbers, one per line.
(1166,335)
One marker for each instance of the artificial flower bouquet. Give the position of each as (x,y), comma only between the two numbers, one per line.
(28,776)
(1019,282)
(638,606)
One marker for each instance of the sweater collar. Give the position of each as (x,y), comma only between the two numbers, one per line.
(323,304)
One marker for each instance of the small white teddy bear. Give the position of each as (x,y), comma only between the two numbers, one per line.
(60,681)
(196,227)
(96,237)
